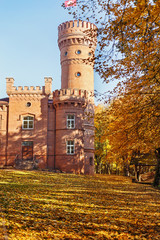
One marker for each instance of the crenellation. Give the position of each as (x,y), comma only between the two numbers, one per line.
(67,24)
(77,25)
(3,108)
(20,90)
(71,25)
(32,88)
(38,88)
(26,88)
(71,93)
(80,23)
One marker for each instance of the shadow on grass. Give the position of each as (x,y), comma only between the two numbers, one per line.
(39,205)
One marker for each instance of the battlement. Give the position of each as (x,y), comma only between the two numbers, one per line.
(77,30)
(76,25)
(3,107)
(11,89)
(70,95)
(71,92)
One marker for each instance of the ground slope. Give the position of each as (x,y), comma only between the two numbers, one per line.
(45,205)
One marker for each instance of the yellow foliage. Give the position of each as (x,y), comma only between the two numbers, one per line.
(45,205)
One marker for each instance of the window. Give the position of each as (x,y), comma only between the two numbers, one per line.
(66,53)
(28,104)
(78,52)
(70,147)
(70,121)
(28,122)
(78,74)
(27,144)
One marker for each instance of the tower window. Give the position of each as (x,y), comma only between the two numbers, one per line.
(28,122)
(70,121)
(78,74)
(66,53)
(70,147)
(78,52)
(28,104)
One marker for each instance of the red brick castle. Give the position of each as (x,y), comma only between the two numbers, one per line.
(42,129)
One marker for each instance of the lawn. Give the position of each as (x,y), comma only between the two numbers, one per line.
(44,205)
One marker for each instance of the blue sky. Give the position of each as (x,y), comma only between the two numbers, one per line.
(28,43)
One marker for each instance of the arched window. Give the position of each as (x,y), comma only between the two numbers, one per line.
(28,122)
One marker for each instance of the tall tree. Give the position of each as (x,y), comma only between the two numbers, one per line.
(129,51)
(129,43)
(129,38)
(101,142)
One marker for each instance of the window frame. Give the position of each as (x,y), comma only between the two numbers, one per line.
(28,122)
(70,145)
(70,121)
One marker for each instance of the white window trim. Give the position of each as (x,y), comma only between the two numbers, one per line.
(27,122)
(70,147)
(70,120)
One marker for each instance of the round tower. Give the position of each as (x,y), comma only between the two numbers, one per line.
(77,43)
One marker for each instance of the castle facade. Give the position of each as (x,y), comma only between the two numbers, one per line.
(54,130)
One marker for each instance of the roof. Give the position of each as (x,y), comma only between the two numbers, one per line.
(4,99)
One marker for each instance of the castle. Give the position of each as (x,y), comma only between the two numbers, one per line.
(54,129)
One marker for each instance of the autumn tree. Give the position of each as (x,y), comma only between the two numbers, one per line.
(108,157)
(102,164)
(129,52)
(132,133)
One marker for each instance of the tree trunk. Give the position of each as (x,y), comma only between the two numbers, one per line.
(126,170)
(136,173)
(157,175)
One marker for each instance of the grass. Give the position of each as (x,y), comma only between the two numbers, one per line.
(43,205)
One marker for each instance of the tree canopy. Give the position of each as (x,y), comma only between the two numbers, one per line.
(128,52)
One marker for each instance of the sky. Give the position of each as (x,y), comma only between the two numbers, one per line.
(28,43)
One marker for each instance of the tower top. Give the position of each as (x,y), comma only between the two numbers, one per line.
(77,41)
(78,31)
(75,26)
